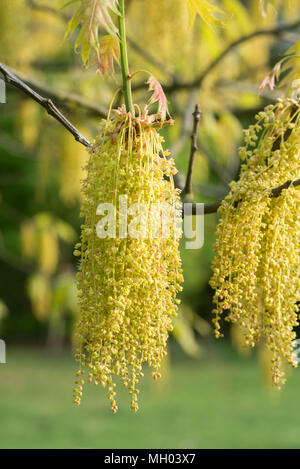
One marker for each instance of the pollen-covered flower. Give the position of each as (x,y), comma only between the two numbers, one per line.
(127,284)
(257,264)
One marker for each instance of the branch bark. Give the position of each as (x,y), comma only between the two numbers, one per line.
(194,148)
(213,208)
(11,79)
(66,99)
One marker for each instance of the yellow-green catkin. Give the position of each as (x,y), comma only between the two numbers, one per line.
(256,270)
(127,286)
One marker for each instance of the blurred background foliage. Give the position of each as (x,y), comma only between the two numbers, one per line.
(42,165)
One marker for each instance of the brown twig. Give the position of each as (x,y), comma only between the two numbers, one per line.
(277,191)
(67,99)
(194,148)
(46,103)
(213,208)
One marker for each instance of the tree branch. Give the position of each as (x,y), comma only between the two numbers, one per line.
(62,97)
(186,120)
(46,103)
(194,148)
(52,110)
(213,208)
(197,82)
(277,191)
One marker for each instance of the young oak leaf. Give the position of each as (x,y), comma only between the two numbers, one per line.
(92,15)
(109,52)
(269,80)
(158,96)
(289,68)
(205,10)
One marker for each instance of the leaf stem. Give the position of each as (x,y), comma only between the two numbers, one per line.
(124,59)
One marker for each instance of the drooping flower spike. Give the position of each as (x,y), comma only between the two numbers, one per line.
(256,270)
(127,285)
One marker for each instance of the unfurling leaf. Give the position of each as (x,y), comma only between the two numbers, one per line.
(158,96)
(109,52)
(205,10)
(289,66)
(269,80)
(92,15)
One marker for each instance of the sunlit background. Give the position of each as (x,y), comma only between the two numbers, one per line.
(213,394)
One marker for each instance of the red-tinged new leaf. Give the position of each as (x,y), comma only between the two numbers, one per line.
(158,96)
(92,15)
(271,77)
(109,53)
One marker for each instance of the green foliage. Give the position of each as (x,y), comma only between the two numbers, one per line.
(206,10)
(92,16)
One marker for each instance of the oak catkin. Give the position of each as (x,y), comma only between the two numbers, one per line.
(127,286)
(256,270)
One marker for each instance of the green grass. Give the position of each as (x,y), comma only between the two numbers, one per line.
(218,402)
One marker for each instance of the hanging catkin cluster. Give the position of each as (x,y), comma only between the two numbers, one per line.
(127,285)
(256,269)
